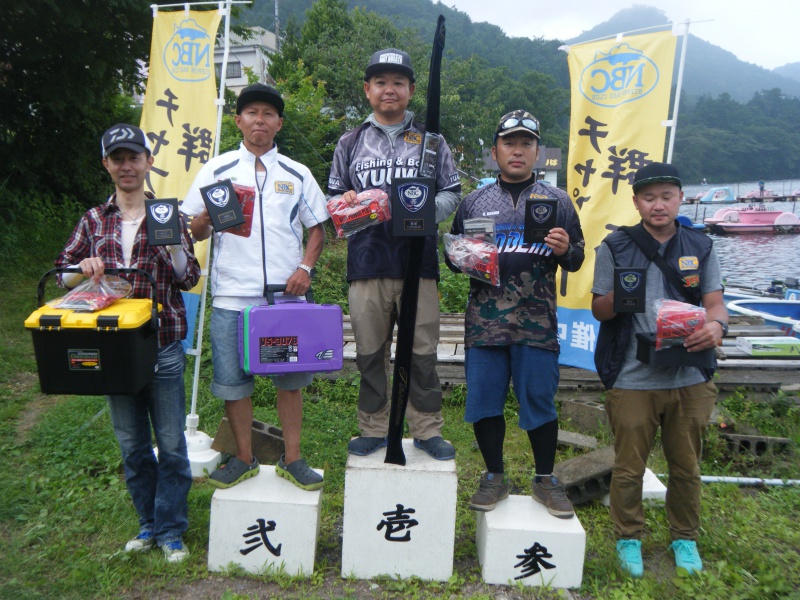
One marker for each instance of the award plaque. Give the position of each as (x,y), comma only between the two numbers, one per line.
(223,205)
(540,218)
(163,222)
(413,206)
(629,289)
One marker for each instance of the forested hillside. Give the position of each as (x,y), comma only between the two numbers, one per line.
(737,120)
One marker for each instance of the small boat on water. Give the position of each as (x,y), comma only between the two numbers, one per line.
(776,312)
(687,222)
(753,219)
(717,195)
(788,289)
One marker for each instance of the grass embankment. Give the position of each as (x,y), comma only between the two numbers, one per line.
(65,513)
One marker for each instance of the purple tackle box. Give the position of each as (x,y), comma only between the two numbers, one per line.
(290,335)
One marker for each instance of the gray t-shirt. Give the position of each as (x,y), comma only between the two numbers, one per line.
(636,375)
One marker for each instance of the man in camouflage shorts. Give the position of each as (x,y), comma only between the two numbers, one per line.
(511,330)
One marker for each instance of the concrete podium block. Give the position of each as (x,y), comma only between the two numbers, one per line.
(264,523)
(399,521)
(519,541)
(653,491)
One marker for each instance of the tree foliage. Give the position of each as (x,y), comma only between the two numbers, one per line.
(474,94)
(726,141)
(64,66)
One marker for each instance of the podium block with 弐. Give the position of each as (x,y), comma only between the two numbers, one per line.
(519,541)
(399,520)
(264,523)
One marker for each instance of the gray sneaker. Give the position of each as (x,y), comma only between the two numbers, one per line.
(491,490)
(550,492)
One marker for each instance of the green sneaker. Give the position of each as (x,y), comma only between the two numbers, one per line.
(686,556)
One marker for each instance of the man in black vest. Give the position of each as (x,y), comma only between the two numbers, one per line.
(641,396)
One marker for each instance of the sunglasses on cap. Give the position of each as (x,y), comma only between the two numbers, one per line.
(531,124)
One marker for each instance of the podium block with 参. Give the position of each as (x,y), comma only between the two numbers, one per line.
(519,541)
(264,523)
(399,521)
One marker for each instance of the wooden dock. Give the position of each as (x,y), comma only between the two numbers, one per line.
(734,367)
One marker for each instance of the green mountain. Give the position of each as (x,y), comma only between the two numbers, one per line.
(709,70)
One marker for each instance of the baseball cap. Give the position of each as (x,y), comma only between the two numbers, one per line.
(517,120)
(656,173)
(259,92)
(127,136)
(390,59)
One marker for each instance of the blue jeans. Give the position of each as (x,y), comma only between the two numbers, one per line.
(230,382)
(489,369)
(158,488)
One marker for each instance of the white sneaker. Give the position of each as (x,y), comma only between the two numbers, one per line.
(175,551)
(141,543)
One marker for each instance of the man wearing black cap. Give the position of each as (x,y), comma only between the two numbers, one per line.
(112,236)
(641,396)
(287,199)
(511,330)
(388,145)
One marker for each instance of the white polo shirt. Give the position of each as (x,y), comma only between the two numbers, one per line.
(286,201)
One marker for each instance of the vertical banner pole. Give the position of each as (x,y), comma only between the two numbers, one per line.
(674,124)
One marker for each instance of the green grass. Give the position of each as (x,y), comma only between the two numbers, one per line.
(65,513)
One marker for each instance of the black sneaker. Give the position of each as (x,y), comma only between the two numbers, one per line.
(233,472)
(491,490)
(299,473)
(436,447)
(364,446)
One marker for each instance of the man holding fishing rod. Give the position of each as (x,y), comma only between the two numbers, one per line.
(388,145)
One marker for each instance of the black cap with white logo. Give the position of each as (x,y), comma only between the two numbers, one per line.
(390,59)
(127,136)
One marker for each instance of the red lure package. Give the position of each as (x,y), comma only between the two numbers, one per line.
(676,321)
(474,257)
(372,208)
(91,295)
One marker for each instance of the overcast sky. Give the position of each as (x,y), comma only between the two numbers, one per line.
(766,32)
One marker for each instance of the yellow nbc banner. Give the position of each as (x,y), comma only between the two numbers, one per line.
(620,92)
(180,114)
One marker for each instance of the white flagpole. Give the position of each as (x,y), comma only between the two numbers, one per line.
(201,457)
(679,29)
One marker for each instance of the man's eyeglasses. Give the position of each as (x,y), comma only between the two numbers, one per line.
(531,124)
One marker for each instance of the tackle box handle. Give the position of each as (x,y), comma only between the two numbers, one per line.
(281,287)
(108,271)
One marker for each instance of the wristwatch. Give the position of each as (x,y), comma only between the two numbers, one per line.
(310,270)
(724,327)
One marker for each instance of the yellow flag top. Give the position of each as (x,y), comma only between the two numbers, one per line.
(180,115)
(620,92)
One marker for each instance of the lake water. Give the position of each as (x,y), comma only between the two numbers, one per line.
(752,259)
